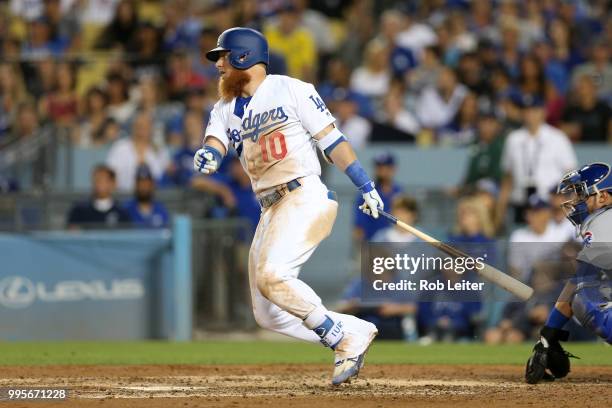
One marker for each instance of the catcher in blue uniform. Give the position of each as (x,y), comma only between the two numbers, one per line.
(588,295)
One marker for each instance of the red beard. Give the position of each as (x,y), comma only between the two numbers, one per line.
(231,85)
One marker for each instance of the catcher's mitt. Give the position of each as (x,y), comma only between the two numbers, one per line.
(548,355)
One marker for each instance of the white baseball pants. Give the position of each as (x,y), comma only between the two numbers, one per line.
(286,236)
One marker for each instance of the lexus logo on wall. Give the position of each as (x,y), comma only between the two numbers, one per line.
(19,292)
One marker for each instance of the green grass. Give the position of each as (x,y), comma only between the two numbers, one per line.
(231,352)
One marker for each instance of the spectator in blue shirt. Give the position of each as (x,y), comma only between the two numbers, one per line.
(180,173)
(239,184)
(143,209)
(474,230)
(101,210)
(365,225)
(189,128)
(40,43)
(236,197)
(448,320)
(445,315)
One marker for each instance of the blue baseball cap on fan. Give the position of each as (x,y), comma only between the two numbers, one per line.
(535,202)
(384,159)
(144,173)
(530,101)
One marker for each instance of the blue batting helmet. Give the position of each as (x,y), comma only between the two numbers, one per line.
(246,47)
(581,184)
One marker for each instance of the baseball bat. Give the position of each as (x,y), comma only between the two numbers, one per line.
(489,273)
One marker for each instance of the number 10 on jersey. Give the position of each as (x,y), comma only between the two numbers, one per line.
(274,145)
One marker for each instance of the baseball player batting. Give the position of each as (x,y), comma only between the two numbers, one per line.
(275,124)
(588,295)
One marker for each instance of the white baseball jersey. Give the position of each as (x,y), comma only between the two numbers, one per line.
(273,136)
(273,132)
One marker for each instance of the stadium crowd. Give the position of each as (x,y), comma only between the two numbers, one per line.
(128,77)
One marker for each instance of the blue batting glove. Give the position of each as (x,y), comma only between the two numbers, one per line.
(207,160)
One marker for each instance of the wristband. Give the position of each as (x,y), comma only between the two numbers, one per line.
(359,177)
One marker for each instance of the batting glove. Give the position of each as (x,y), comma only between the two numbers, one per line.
(372,202)
(207,160)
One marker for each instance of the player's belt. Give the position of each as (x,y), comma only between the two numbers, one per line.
(274,197)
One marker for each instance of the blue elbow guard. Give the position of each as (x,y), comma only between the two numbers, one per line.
(330,141)
(359,177)
(331,147)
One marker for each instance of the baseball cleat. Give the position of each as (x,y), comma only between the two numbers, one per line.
(346,370)
(350,355)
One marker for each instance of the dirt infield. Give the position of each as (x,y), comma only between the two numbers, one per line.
(308,386)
